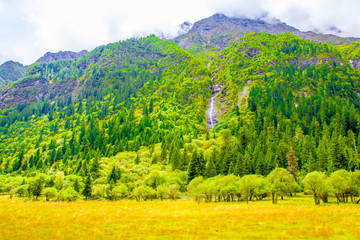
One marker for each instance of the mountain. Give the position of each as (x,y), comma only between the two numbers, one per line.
(49,57)
(144,109)
(11,71)
(220,31)
(184,28)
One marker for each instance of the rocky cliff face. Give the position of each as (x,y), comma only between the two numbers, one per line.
(220,31)
(10,72)
(49,57)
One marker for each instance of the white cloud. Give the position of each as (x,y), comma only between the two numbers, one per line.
(29,28)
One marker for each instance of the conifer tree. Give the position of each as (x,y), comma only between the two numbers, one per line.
(194,165)
(261,166)
(95,167)
(210,169)
(40,164)
(77,185)
(87,188)
(19,161)
(137,160)
(247,164)
(337,156)
(270,160)
(151,105)
(207,137)
(114,175)
(227,160)
(52,144)
(239,167)
(323,156)
(231,168)
(154,159)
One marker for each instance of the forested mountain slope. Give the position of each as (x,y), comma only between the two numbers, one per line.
(117,98)
(136,110)
(303,96)
(11,71)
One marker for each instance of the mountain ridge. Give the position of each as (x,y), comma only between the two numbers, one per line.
(10,72)
(220,31)
(61,55)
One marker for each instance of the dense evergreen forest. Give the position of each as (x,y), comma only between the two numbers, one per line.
(129,119)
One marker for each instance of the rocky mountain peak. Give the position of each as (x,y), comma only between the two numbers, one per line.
(184,27)
(220,30)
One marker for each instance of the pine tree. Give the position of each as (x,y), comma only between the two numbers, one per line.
(247,164)
(52,145)
(151,105)
(323,155)
(67,123)
(185,159)
(207,137)
(163,153)
(7,166)
(95,167)
(261,166)
(281,155)
(270,161)
(40,165)
(19,162)
(194,165)
(77,185)
(337,156)
(210,169)
(201,168)
(175,157)
(231,168)
(239,167)
(227,160)
(137,160)
(114,175)
(154,159)
(87,188)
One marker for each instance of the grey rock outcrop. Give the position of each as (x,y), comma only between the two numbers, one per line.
(49,57)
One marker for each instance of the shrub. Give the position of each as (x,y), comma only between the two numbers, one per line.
(49,193)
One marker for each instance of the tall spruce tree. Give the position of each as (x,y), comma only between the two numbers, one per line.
(88,187)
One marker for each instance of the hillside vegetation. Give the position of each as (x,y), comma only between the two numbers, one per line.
(131,116)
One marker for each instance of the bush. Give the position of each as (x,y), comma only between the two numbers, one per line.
(119,192)
(99,191)
(69,194)
(173,191)
(49,193)
(22,190)
(144,192)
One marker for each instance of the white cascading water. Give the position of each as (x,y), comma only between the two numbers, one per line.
(211,111)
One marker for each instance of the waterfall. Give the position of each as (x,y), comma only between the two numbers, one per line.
(212,111)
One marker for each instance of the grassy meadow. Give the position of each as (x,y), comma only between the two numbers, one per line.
(295,218)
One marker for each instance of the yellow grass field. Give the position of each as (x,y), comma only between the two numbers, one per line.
(295,218)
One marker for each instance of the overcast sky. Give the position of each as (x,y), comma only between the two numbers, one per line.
(30,28)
